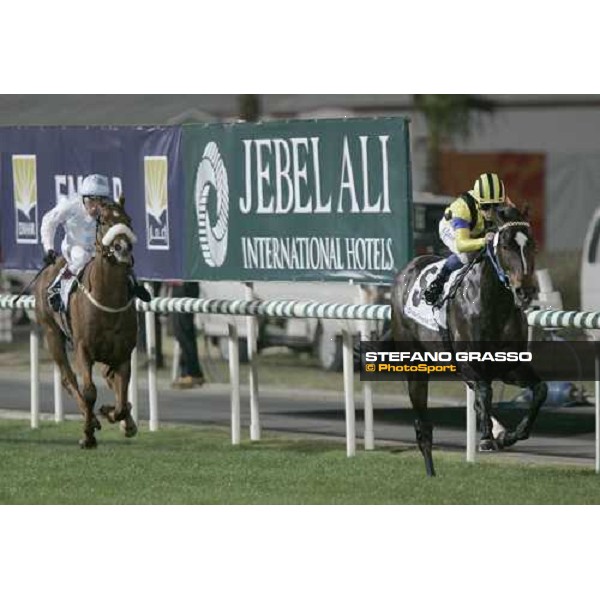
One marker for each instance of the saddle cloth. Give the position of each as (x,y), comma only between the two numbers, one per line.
(415,306)
(66,288)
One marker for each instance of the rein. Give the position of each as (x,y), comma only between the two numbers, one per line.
(97,304)
(490,250)
(459,278)
(103,248)
(502,276)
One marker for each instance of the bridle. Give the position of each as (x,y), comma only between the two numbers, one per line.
(104,247)
(104,241)
(491,250)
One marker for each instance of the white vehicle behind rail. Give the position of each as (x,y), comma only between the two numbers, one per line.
(590,266)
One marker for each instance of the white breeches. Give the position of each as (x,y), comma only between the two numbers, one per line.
(76,256)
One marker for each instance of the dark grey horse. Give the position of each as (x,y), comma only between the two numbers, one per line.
(487,308)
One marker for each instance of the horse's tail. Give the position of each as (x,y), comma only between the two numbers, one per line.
(386,336)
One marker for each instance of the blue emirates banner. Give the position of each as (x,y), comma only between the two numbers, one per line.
(41,165)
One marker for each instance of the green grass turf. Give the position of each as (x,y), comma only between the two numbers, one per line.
(193,465)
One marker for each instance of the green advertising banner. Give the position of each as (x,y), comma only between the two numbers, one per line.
(297,200)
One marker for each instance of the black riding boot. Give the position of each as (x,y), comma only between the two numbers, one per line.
(54,290)
(137,290)
(54,298)
(436,287)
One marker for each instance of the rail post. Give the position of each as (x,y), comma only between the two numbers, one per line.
(234,376)
(251,325)
(471,425)
(349,393)
(34,351)
(367,386)
(151,352)
(59,413)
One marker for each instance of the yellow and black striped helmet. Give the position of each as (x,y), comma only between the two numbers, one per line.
(489,189)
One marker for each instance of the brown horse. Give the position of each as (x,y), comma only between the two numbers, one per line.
(102,319)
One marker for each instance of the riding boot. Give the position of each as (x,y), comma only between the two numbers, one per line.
(66,284)
(436,287)
(54,291)
(137,290)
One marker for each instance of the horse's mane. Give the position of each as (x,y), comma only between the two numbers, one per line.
(109,210)
(510,213)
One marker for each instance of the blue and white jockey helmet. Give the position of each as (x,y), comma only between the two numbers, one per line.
(95,186)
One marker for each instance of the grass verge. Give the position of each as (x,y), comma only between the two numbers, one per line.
(193,465)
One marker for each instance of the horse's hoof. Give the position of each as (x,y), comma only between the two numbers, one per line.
(87,443)
(508,439)
(128,431)
(488,445)
(430,472)
(108,412)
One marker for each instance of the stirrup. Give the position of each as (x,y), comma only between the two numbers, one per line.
(53,296)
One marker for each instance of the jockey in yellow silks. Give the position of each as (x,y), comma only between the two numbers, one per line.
(463,227)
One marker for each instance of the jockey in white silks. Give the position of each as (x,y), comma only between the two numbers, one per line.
(77,216)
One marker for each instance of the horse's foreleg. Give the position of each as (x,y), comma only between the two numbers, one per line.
(91,423)
(525,377)
(417,391)
(523,430)
(122,409)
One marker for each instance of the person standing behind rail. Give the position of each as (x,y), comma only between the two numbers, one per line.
(184,330)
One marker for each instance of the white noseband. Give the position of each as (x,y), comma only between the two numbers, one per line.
(118,229)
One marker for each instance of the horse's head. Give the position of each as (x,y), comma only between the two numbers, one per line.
(115,238)
(514,251)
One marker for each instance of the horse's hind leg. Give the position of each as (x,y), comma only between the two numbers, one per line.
(108,410)
(109,375)
(417,391)
(56,346)
(91,423)
(483,405)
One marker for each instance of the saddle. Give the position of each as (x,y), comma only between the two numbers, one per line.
(60,289)
(417,309)
(58,295)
